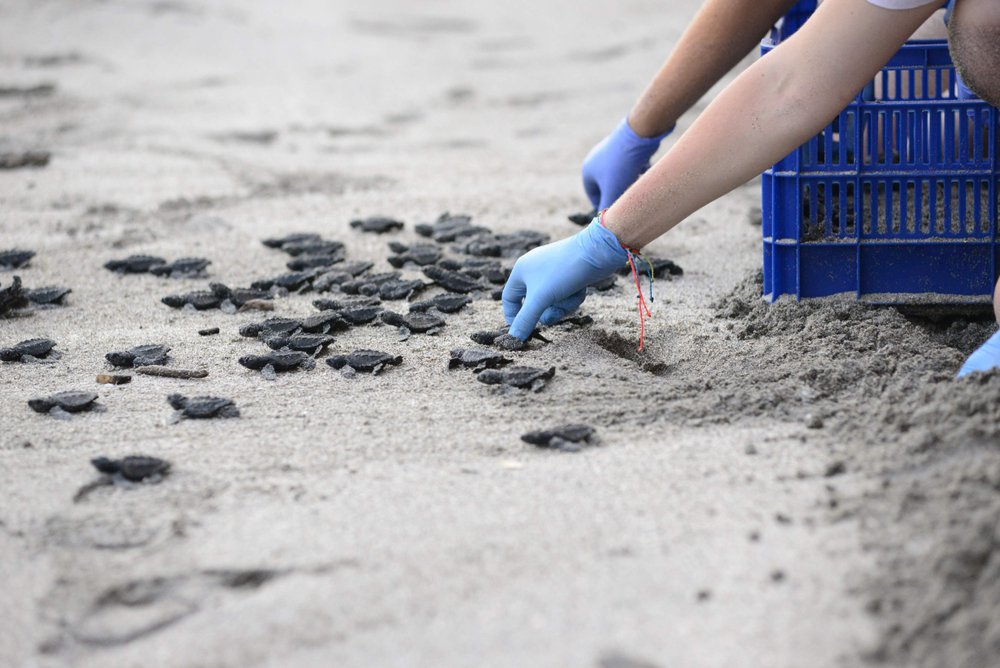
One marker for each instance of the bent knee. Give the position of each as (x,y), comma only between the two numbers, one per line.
(974,33)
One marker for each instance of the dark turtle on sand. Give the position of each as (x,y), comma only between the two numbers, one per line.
(340,274)
(303,262)
(237,296)
(448,228)
(325,322)
(71,402)
(452,281)
(496,245)
(567,437)
(270,327)
(21,159)
(307,343)
(295,280)
(203,407)
(344,304)
(145,355)
(361,315)
(47,295)
(12,297)
(201,300)
(417,323)
(420,254)
(604,284)
(575,321)
(134,468)
(364,360)
(377,224)
(26,351)
(278,360)
(445,303)
(15,258)
(518,376)
(302,237)
(314,247)
(477,359)
(134,264)
(479,268)
(582,219)
(368,285)
(400,289)
(186,267)
(662,268)
(499,338)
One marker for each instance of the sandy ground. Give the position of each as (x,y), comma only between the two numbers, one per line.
(398,520)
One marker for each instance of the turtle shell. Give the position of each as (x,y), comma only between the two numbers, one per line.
(47,295)
(575,433)
(452,281)
(415,322)
(322,323)
(280,360)
(271,326)
(134,264)
(517,376)
(344,304)
(364,360)
(300,237)
(134,467)
(360,315)
(33,347)
(314,247)
(303,342)
(444,303)
(15,258)
(399,289)
(183,266)
(71,401)
(202,407)
(377,224)
(302,262)
(477,358)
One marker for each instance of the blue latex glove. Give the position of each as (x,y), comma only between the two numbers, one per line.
(551,281)
(615,164)
(986,357)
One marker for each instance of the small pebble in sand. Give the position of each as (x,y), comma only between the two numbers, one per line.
(113,379)
(208,331)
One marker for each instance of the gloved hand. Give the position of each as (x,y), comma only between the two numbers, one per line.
(551,281)
(616,162)
(986,357)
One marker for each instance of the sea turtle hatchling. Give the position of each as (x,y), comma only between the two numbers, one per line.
(299,237)
(29,351)
(567,437)
(452,281)
(419,254)
(12,297)
(304,262)
(278,361)
(270,327)
(447,303)
(134,468)
(304,342)
(49,295)
(186,267)
(238,296)
(145,355)
(201,300)
(134,264)
(203,407)
(377,224)
(518,376)
(364,361)
(72,401)
(477,359)
(417,323)
(448,228)
(15,258)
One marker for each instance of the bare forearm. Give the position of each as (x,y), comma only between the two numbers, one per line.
(721,34)
(771,108)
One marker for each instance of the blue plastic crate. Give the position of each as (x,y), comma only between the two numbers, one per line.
(897,200)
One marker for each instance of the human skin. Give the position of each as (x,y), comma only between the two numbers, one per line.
(771,108)
(721,34)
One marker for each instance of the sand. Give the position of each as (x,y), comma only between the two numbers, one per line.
(786,485)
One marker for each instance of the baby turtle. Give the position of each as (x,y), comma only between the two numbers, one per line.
(301,237)
(364,361)
(134,468)
(477,359)
(452,281)
(12,297)
(187,267)
(201,300)
(303,262)
(47,295)
(21,159)
(325,322)
(313,247)
(368,285)
(270,327)
(297,280)
(377,224)
(15,258)
(238,296)
(400,289)
(447,228)
(29,351)
(134,264)
(604,284)
(496,245)
(420,254)
(344,304)
(361,315)
(518,376)
(70,402)
(567,437)
(278,360)
(198,408)
(582,219)
(444,303)
(498,338)
(307,343)
(145,355)
(417,323)
(478,268)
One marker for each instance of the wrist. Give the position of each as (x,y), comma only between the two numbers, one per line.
(646,129)
(612,224)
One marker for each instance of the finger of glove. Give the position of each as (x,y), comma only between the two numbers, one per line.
(513,293)
(563,307)
(526,319)
(592,188)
